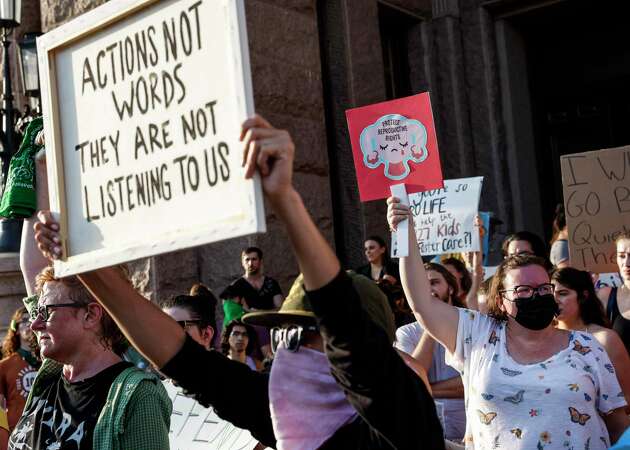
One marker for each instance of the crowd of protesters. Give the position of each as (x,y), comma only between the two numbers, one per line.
(397,354)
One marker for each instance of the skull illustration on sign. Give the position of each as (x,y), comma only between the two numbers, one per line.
(394,140)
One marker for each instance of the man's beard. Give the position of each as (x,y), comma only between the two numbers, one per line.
(446,298)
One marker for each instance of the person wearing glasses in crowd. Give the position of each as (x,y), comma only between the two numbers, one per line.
(238,342)
(527,384)
(336,381)
(17,371)
(195,315)
(84,395)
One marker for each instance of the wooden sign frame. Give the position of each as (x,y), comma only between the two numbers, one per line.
(92,25)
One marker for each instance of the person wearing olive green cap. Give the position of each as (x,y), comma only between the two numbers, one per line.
(336,381)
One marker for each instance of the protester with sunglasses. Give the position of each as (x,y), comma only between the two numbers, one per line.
(359,394)
(84,393)
(195,314)
(527,384)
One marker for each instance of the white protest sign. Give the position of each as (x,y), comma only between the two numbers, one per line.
(143,103)
(194,427)
(444,219)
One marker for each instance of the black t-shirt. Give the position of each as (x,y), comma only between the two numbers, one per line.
(258,299)
(64,416)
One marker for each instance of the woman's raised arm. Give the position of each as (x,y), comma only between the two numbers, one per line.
(438,318)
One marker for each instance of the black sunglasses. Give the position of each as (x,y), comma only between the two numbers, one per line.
(291,337)
(44,311)
(185,324)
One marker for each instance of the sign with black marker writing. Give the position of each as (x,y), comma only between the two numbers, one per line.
(596,189)
(194,427)
(143,103)
(444,219)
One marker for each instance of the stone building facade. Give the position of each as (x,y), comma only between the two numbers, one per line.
(514,84)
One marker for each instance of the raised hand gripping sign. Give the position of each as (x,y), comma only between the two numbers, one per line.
(393,143)
(395,150)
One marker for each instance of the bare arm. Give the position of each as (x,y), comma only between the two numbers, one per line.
(438,318)
(423,353)
(475,260)
(451,388)
(31,259)
(472,301)
(139,319)
(272,151)
(616,422)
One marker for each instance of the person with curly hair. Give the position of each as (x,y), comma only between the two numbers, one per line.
(17,371)
(238,342)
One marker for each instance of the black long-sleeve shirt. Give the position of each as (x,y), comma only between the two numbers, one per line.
(395,409)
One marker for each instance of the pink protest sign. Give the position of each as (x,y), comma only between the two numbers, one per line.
(393,143)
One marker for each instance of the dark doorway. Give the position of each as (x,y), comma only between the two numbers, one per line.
(578,57)
(395,26)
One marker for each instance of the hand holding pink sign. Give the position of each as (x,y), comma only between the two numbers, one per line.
(395,147)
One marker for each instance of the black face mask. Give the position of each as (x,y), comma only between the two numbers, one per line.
(536,312)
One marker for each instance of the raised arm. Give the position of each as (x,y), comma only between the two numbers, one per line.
(472,300)
(438,318)
(31,259)
(272,152)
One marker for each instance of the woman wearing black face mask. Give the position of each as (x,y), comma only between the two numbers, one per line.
(527,384)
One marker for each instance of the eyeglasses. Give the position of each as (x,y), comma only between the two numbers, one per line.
(44,311)
(291,337)
(524,291)
(523,253)
(185,324)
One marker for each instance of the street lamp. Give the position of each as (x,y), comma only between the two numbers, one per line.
(28,64)
(10,13)
(10,17)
